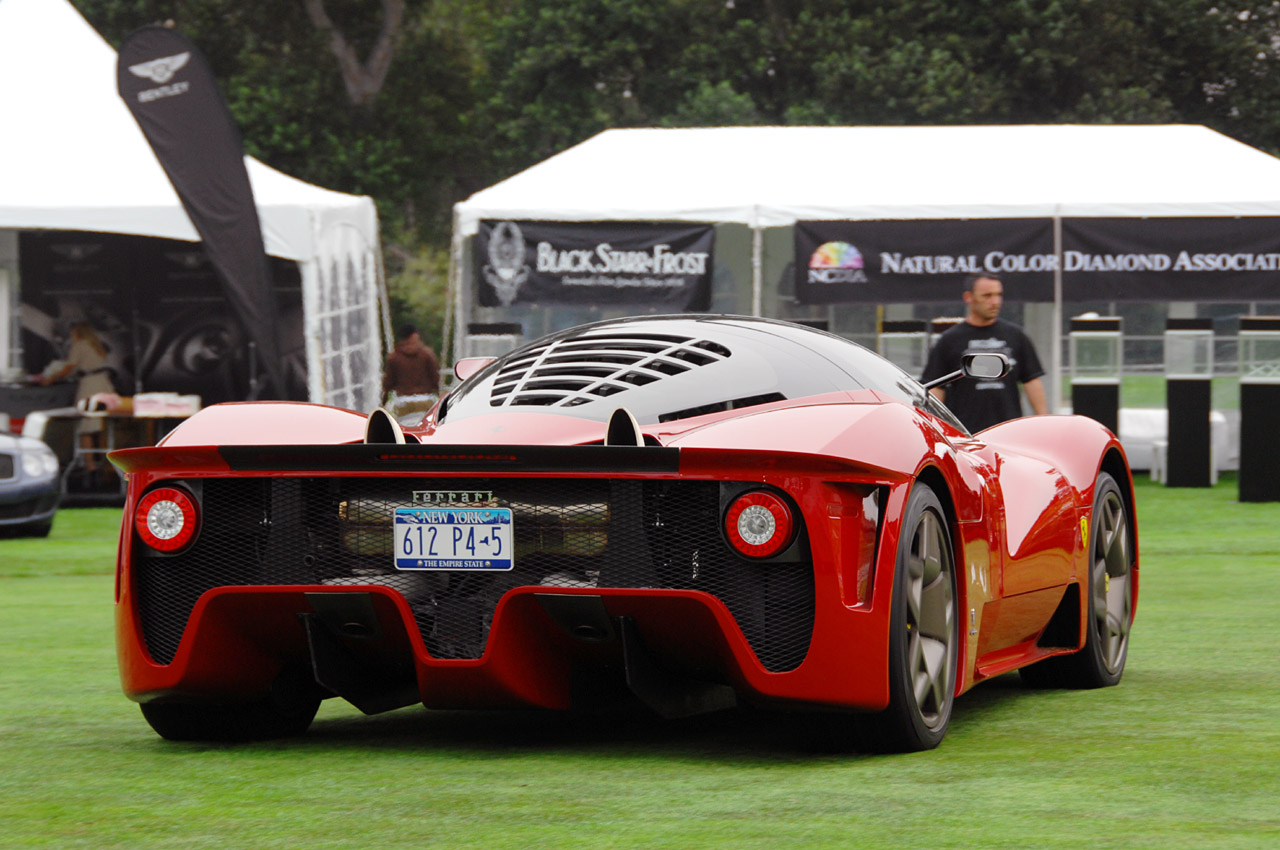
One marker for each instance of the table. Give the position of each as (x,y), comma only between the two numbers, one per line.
(120,431)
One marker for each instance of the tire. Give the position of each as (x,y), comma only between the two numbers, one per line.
(1100,662)
(924,638)
(231,723)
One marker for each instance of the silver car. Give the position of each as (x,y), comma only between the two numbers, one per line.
(30,488)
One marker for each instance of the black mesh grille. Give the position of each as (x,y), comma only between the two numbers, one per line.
(620,533)
(6,466)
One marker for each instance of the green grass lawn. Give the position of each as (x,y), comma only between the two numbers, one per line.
(1185,752)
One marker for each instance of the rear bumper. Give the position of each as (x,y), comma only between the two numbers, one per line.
(547,647)
(261,592)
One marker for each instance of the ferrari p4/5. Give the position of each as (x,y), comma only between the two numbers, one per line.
(690,511)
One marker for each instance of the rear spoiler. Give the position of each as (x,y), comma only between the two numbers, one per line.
(407,457)
(413,458)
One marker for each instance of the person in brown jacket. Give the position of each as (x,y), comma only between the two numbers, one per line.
(411,381)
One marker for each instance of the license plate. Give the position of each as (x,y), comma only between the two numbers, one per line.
(453,539)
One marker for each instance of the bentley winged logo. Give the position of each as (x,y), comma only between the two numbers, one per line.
(161,70)
(75,251)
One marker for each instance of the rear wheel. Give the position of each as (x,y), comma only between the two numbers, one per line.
(923,632)
(1100,662)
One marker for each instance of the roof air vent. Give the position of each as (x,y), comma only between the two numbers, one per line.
(577,370)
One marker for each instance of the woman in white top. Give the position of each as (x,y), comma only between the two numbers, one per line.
(87,359)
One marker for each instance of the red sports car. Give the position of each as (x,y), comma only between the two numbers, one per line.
(692,511)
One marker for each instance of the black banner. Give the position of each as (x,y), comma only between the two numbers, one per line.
(169,88)
(159,307)
(1171,259)
(655,264)
(888,262)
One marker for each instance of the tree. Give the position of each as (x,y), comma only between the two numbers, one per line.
(419,104)
(557,74)
(363,78)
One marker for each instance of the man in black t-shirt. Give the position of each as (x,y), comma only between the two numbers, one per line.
(982,403)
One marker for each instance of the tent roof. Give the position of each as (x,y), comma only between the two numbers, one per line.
(73,158)
(775,176)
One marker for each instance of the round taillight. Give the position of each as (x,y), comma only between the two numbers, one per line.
(759,524)
(166,519)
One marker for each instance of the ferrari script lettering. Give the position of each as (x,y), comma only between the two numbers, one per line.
(453,497)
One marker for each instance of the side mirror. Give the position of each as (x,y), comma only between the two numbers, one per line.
(985,366)
(468,366)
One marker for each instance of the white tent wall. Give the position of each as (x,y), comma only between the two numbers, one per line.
(8,297)
(73,159)
(342,291)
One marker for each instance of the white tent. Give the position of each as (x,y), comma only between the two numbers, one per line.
(73,158)
(773,177)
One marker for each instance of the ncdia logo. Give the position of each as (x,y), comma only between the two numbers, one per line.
(836,262)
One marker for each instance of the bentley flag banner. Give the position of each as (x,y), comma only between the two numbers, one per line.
(169,88)
(666,265)
(888,262)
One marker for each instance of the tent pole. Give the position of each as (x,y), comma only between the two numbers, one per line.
(384,296)
(452,299)
(1055,361)
(135,320)
(757,271)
